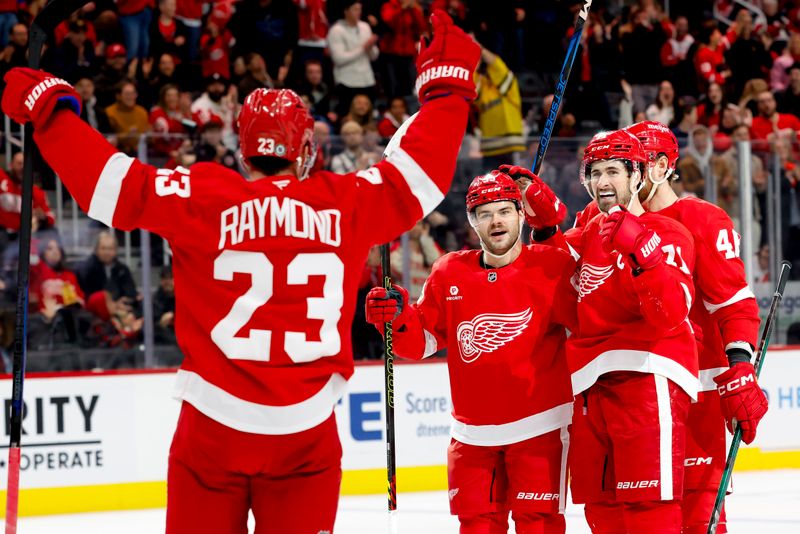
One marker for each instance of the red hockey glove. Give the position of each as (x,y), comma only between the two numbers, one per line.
(33,95)
(623,231)
(743,401)
(447,65)
(387,306)
(543,209)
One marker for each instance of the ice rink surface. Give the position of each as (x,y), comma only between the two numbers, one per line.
(763,503)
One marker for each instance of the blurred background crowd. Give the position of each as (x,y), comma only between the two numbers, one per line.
(164,79)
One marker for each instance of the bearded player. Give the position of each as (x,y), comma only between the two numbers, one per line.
(726,314)
(266,272)
(502,313)
(634,360)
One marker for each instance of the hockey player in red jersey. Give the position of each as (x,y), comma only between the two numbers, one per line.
(634,360)
(725,313)
(266,272)
(502,313)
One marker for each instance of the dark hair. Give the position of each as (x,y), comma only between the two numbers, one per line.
(121,85)
(708,29)
(270,165)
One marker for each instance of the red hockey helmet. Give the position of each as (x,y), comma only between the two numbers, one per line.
(614,145)
(493,187)
(656,138)
(275,122)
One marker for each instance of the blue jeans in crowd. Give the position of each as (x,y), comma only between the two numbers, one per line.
(136,32)
(7,21)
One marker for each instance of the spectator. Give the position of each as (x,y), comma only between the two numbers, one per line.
(151,81)
(322,139)
(352,47)
(135,17)
(169,35)
(111,74)
(8,18)
(499,26)
(709,60)
(423,251)
(687,118)
(91,113)
(405,24)
(749,98)
(789,193)
(102,271)
(747,56)
(353,157)
(367,342)
(215,101)
(74,58)
(706,170)
(761,267)
(396,115)
(256,77)
(51,280)
(758,177)
(15,53)
(779,74)
(789,99)
(676,57)
(709,111)
(313,32)
(128,120)
(164,308)
(215,48)
(268,28)
(318,92)
(211,148)
(662,110)
(641,58)
(190,13)
(362,112)
(499,112)
(769,123)
(565,125)
(167,119)
(11,199)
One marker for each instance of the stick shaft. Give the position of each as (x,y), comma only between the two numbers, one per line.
(391,465)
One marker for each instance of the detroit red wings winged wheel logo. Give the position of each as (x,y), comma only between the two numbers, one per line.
(489,331)
(591,278)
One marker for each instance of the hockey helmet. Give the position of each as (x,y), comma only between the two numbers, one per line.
(656,138)
(614,145)
(276,123)
(495,186)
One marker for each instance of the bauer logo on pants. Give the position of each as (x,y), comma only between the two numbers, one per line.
(490,331)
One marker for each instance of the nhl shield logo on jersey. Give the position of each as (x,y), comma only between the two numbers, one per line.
(490,331)
(591,278)
(492,276)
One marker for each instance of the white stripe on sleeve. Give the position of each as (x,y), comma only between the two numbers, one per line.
(108,187)
(422,186)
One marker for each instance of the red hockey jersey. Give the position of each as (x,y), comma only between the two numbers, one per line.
(505,334)
(725,309)
(266,271)
(635,323)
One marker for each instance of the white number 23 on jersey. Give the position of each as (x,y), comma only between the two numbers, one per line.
(256,346)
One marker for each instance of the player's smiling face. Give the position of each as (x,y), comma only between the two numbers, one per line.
(611,184)
(498,225)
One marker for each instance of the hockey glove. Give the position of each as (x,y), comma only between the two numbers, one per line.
(543,209)
(32,96)
(387,306)
(623,231)
(743,401)
(447,65)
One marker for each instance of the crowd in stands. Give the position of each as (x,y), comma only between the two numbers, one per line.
(178,70)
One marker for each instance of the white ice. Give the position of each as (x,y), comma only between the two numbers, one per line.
(767,501)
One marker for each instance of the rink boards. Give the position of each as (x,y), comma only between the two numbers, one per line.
(99,441)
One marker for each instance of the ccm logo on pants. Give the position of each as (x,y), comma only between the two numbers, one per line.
(637,484)
(689,462)
(537,496)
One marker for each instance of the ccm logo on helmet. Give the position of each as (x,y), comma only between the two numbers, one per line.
(37,91)
(736,384)
(637,484)
(442,71)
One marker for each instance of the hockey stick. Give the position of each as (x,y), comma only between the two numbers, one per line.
(558,96)
(388,368)
(43,25)
(737,434)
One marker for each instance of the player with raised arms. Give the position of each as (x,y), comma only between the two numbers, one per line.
(266,272)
